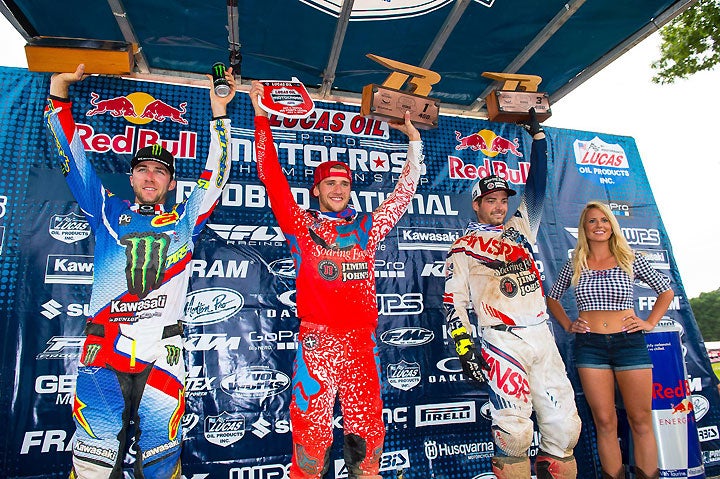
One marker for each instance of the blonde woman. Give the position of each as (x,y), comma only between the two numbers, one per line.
(609,342)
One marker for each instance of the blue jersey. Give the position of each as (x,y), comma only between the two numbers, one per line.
(140,269)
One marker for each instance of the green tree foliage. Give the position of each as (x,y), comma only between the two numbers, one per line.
(690,43)
(706,309)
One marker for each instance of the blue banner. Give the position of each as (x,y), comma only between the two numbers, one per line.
(240,323)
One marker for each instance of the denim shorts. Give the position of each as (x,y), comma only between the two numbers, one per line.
(618,351)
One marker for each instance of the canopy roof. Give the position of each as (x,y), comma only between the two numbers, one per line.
(324,42)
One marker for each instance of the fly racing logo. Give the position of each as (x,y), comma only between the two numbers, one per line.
(51,309)
(69,228)
(69,269)
(62,347)
(250,235)
(146,255)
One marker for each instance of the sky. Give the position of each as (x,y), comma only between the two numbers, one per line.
(672,126)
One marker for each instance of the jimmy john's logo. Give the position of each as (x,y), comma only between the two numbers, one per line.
(355,271)
(328,270)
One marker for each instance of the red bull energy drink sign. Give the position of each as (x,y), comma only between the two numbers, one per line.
(674,423)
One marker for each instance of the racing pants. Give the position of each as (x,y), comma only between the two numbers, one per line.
(330,364)
(105,403)
(527,373)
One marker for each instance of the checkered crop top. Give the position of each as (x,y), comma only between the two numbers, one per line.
(608,289)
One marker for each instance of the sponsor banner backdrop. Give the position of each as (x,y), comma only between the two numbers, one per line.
(240,322)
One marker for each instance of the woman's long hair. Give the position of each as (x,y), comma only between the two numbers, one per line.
(619,246)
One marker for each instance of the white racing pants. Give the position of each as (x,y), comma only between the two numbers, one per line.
(526,374)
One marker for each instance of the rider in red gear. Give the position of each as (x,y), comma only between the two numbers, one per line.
(334,254)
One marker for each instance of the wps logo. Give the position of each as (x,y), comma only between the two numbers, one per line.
(146,255)
(69,228)
(400,304)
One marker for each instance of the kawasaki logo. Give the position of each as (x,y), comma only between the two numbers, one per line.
(137,306)
(434,239)
(146,255)
(69,269)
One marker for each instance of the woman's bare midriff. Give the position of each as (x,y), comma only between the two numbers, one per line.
(606,322)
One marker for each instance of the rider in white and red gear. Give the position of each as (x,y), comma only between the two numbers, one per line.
(492,268)
(132,365)
(334,254)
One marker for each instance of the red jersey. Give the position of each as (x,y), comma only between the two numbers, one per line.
(334,253)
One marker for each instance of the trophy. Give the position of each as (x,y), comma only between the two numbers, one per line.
(387,102)
(288,99)
(55,54)
(517,95)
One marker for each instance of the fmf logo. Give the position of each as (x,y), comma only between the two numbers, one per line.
(411,336)
(69,269)
(400,304)
(432,239)
(69,228)
(389,461)
(138,108)
(604,162)
(255,382)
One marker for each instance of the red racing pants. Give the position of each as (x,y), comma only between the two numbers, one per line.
(332,364)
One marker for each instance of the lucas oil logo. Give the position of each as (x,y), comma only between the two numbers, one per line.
(403,375)
(69,228)
(602,162)
(224,429)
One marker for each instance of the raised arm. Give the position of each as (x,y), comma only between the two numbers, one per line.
(534,194)
(391,210)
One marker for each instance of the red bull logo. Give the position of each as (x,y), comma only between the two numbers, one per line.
(683,407)
(489,143)
(138,107)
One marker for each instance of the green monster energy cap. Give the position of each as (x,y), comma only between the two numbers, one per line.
(154,153)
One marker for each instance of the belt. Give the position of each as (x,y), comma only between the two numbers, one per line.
(95,329)
(512,327)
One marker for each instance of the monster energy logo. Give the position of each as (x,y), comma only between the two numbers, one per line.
(91,353)
(156,150)
(146,255)
(219,70)
(173,354)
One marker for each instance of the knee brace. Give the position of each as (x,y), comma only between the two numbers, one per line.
(513,443)
(548,466)
(505,467)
